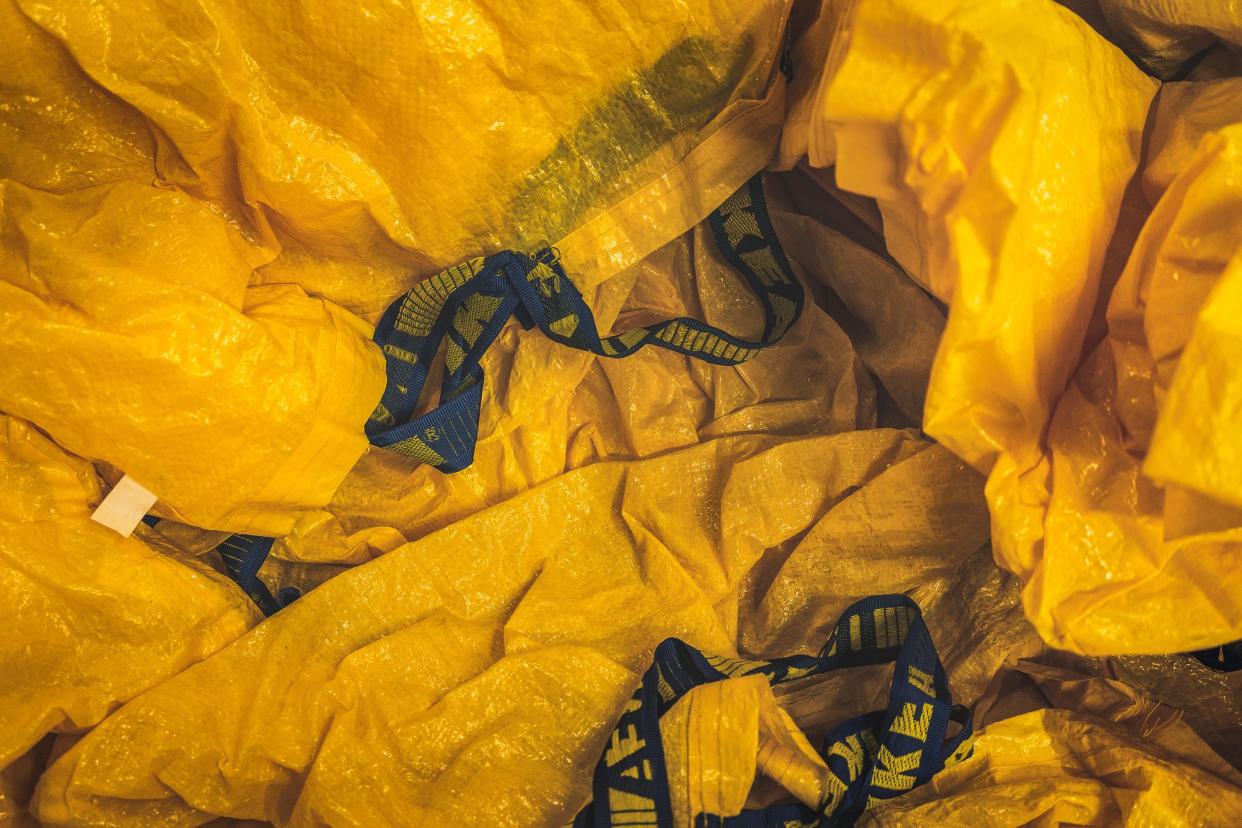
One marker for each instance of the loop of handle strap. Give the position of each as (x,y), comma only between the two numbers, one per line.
(872,757)
(466,306)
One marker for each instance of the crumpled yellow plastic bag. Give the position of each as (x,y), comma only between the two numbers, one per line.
(273,170)
(128,332)
(1183,115)
(724,737)
(466,683)
(1016,255)
(91,619)
(915,520)
(17,784)
(1210,701)
(1164,577)
(372,141)
(513,627)
(968,91)
(533,677)
(469,666)
(999,168)
(1091,751)
(555,409)
(1201,416)
(744,743)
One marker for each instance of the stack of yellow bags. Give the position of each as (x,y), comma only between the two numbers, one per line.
(1011,395)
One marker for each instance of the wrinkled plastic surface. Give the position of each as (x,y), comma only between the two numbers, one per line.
(1169,580)
(369,141)
(1183,115)
(511,632)
(17,784)
(555,409)
(970,91)
(1210,701)
(468,686)
(1000,169)
(91,619)
(1090,751)
(276,174)
(1202,412)
(127,328)
(466,642)
(723,737)
(1165,34)
(235,406)
(1056,747)
(1016,255)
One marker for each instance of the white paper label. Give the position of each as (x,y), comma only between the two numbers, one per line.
(124,506)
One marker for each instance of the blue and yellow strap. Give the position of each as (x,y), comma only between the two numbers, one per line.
(466,306)
(876,756)
(243,557)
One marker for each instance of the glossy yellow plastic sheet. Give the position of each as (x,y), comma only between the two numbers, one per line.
(999,163)
(470,687)
(1210,701)
(1054,747)
(1062,748)
(208,177)
(1165,575)
(614,581)
(724,736)
(367,141)
(127,328)
(1018,255)
(235,406)
(515,658)
(556,409)
(1200,415)
(470,664)
(91,619)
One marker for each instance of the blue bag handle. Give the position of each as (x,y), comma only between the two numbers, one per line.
(243,557)
(872,757)
(466,306)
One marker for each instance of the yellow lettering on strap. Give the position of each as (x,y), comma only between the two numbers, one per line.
(921,680)
(890,769)
(765,267)
(739,225)
(630,808)
(852,751)
(914,726)
(420,451)
(624,742)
